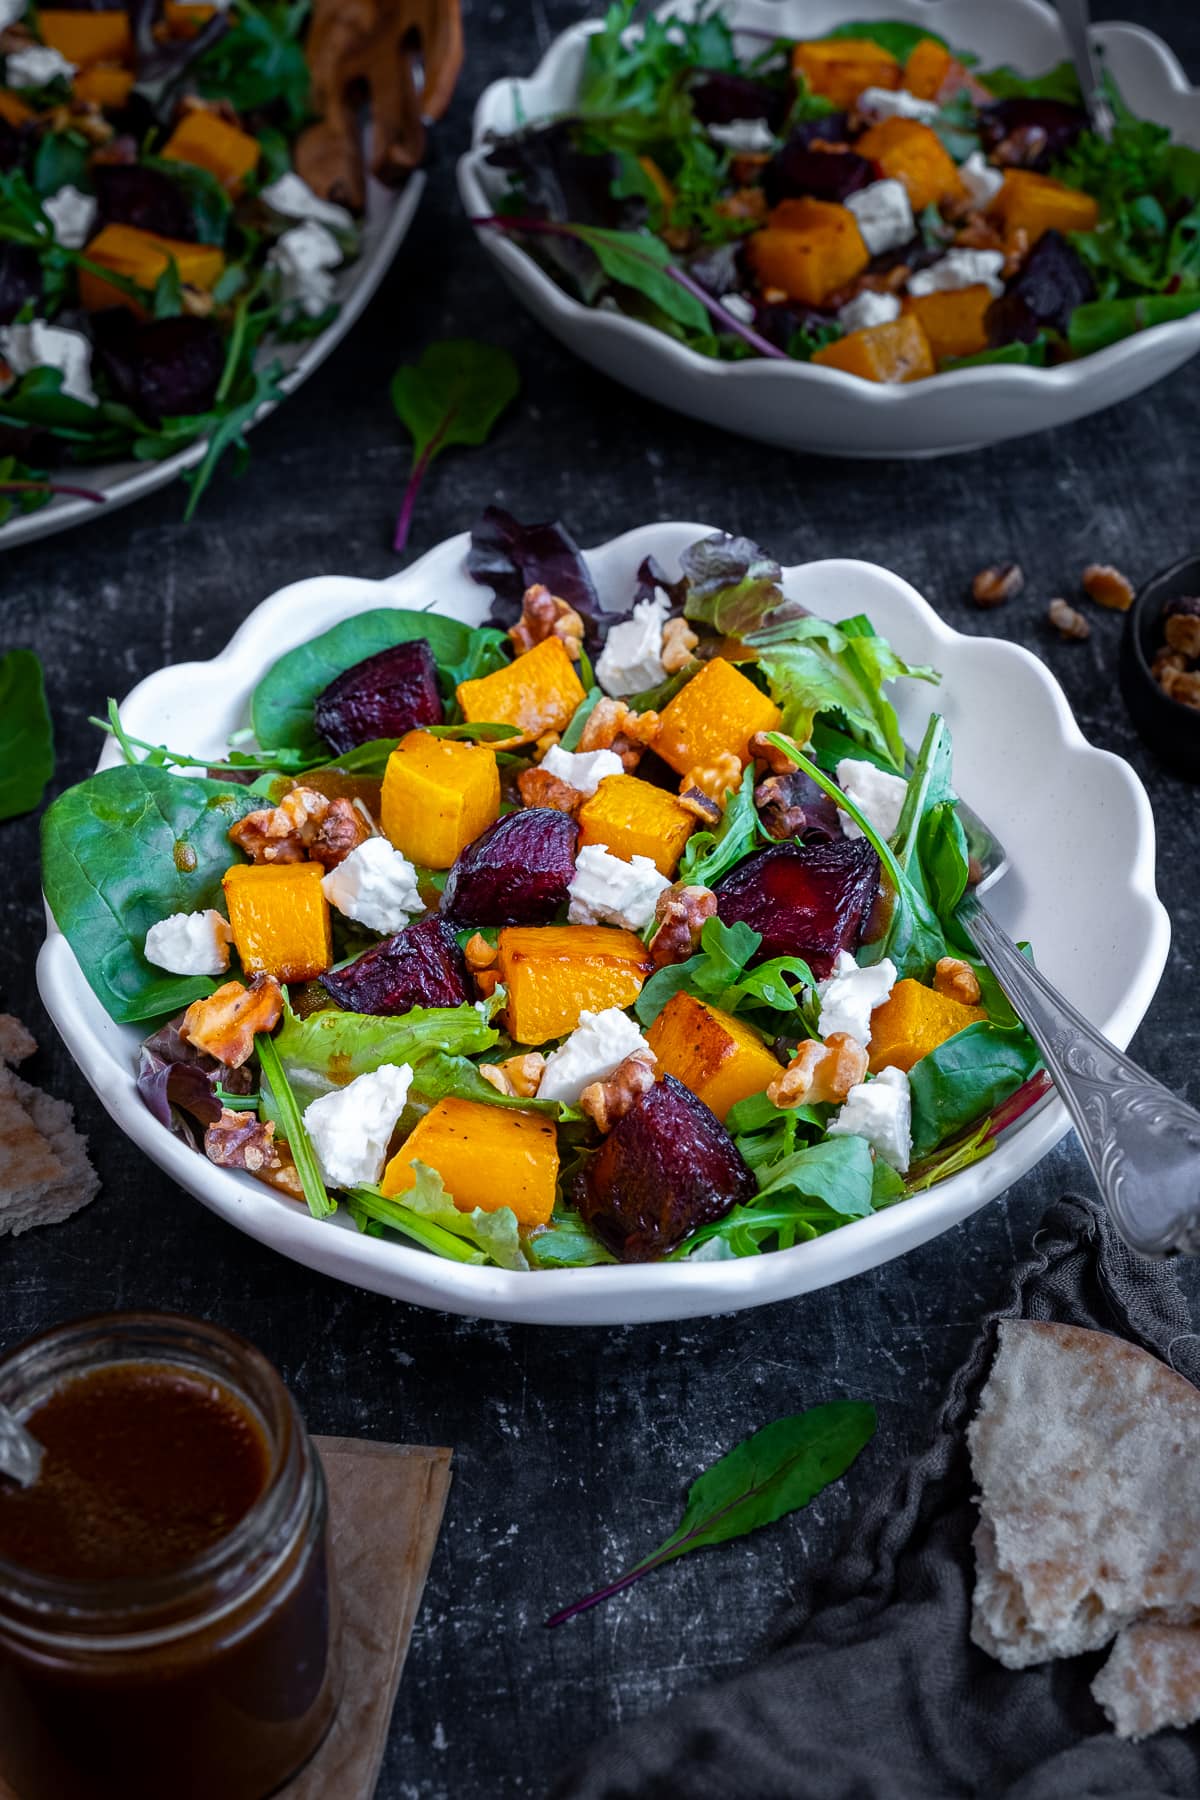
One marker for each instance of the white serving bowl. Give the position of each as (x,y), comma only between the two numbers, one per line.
(802,406)
(1075,820)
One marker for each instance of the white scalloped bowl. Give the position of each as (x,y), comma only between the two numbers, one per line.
(802,406)
(1076,822)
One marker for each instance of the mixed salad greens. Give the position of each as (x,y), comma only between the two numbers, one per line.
(870,200)
(177,190)
(575,937)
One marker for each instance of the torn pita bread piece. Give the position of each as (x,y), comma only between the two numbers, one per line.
(45,1175)
(1086,1452)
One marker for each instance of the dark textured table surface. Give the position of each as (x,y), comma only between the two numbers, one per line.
(572,1449)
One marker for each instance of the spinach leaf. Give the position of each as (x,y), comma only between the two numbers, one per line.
(123,850)
(718,974)
(26,734)
(453,395)
(838,1171)
(967,1075)
(711,854)
(567,1243)
(1098,323)
(281,709)
(777,1470)
(636,260)
(495,1233)
(895,36)
(260,62)
(802,1195)
(1033,354)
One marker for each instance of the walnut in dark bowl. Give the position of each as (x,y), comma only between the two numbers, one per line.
(1160,665)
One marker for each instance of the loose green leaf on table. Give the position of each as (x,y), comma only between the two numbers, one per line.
(774,1472)
(453,395)
(26,734)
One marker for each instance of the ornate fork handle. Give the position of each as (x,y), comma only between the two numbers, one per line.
(1142,1141)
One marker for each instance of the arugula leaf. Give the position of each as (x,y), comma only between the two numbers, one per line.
(719,974)
(710,854)
(968,1074)
(26,734)
(495,1234)
(124,849)
(281,707)
(259,62)
(774,1472)
(1098,323)
(929,840)
(286,1110)
(453,395)
(371,1211)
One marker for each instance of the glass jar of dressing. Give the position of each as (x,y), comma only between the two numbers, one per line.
(167,1619)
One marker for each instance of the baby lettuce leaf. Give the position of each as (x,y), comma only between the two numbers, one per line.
(733,586)
(453,395)
(1098,323)
(26,734)
(328,1049)
(812,667)
(122,850)
(718,973)
(929,840)
(965,1077)
(774,1472)
(281,709)
(711,854)
(801,1196)
(567,1243)
(495,1234)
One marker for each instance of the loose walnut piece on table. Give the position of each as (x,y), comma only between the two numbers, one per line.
(680,912)
(1181,624)
(678,642)
(538,787)
(519,1077)
(820,1072)
(544,616)
(956,980)
(994,585)
(606,1101)
(1067,622)
(612,725)
(1107,587)
(226,1023)
(304,825)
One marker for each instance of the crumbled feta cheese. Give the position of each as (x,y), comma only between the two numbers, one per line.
(195,943)
(350,1128)
(980,179)
(38,345)
(583,770)
(375,885)
(631,660)
(10,12)
(294,199)
(304,257)
(598,1043)
(867,309)
(885,216)
(36,66)
(881,1112)
(851,994)
(743,309)
(748,135)
(607,890)
(876,793)
(895,103)
(72,214)
(960,269)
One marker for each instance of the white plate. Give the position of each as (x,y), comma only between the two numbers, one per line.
(383,229)
(1075,820)
(803,406)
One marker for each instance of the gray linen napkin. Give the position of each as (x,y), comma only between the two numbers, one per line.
(874,1690)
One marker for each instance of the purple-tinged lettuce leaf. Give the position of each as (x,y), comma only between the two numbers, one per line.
(509,557)
(175,1078)
(733,586)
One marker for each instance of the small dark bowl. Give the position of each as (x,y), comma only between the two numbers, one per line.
(1171,729)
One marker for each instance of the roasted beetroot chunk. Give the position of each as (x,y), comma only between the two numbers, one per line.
(516,873)
(1044,292)
(1036,132)
(164,368)
(798,169)
(390,693)
(420,966)
(664,1169)
(808,900)
(129,194)
(20,280)
(720,98)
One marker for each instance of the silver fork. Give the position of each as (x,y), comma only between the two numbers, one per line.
(1076,23)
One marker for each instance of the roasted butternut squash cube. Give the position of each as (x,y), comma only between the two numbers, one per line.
(953,322)
(907,151)
(840,68)
(809,249)
(536,692)
(185,19)
(438,795)
(715,1054)
(720,709)
(207,140)
(1029,205)
(13,110)
(633,818)
(898,351)
(280,919)
(87,37)
(928,65)
(914,1020)
(555,972)
(487,1157)
(142,256)
(104,84)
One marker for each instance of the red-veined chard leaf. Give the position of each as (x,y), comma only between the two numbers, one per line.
(453,395)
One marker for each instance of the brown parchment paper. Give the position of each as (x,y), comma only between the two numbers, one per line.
(385,1509)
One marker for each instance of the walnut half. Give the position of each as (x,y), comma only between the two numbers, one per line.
(609,1100)
(304,825)
(227,1022)
(820,1072)
(681,912)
